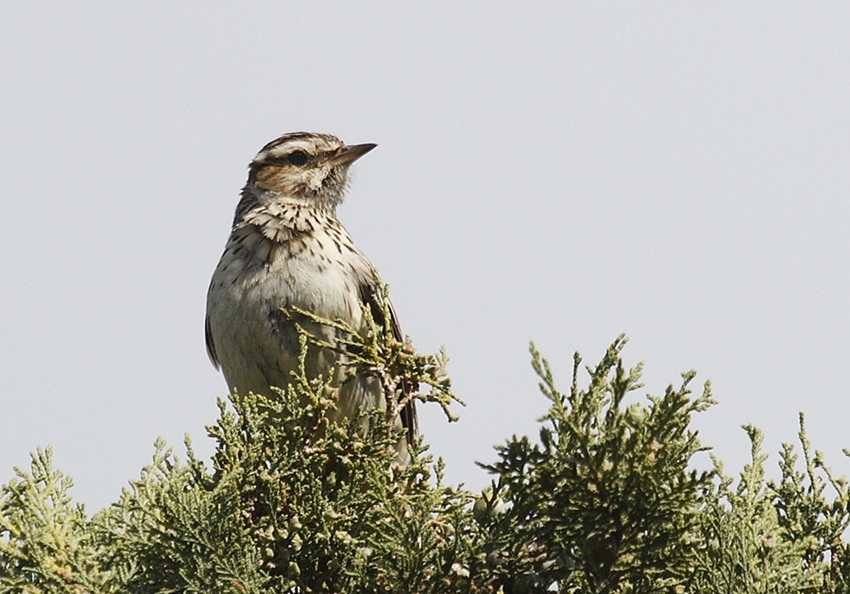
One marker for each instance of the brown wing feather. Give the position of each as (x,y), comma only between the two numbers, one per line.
(210,343)
(409,418)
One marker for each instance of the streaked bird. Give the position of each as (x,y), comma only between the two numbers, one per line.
(288,249)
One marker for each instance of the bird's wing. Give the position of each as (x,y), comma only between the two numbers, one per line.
(210,343)
(409,419)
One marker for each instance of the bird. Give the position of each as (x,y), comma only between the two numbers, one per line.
(287,249)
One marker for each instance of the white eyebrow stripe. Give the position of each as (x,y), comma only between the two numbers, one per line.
(309,143)
(284,149)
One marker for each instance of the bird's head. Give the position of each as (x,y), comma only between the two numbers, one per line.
(306,167)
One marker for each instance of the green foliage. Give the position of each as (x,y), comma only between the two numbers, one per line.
(806,515)
(292,503)
(607,501)
(746,548)
(284,509)
(45,543)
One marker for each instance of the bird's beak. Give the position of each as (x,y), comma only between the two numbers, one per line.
(350,153)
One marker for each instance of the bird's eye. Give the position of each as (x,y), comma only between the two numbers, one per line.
(298,158)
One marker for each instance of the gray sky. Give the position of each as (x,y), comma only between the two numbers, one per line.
(557,172)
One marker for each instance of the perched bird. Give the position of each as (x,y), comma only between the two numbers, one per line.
(288,249)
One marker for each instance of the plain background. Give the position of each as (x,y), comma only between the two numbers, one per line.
(561,172)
